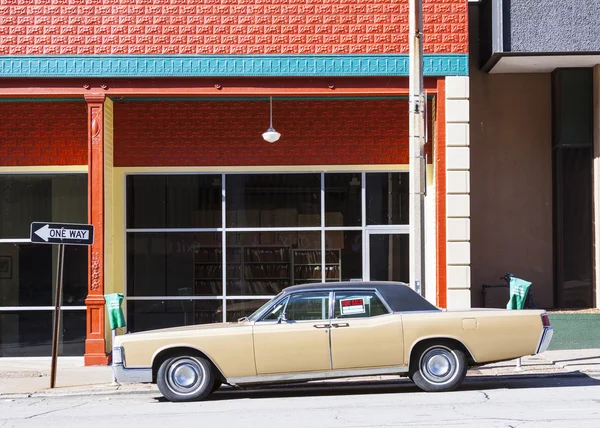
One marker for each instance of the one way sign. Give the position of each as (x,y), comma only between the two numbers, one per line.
(62,233)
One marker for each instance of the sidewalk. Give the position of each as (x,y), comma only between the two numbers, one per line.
(29,377)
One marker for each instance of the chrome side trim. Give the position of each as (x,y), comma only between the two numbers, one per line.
(123,375)
(545,340)
(333,374)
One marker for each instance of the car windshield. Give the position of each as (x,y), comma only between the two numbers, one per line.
(256,314)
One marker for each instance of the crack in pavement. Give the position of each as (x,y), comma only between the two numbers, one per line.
(56,410)
(485,394)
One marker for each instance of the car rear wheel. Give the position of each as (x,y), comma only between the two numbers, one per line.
(439,368)
(185,378)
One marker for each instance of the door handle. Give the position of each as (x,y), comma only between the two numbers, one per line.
(321,326)
(344,324)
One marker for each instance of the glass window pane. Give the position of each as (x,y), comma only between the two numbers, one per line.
(343,259)
(174,264)
(28,275)
(343,200)
(281,200)
(276,311)
(43,197)
(255,269)
(306,258)
(358,305)
(145,315)
(387,198)
(178,201)
(388,258)
(29,333)
(308,306)
(237,309)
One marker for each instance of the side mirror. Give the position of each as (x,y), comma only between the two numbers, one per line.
(281,318)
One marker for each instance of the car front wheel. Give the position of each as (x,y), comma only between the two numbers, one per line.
(439,368)
(185,378)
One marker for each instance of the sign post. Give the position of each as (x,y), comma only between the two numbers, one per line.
(60,234)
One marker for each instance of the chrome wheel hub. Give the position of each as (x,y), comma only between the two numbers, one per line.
(185,376)
(438,365)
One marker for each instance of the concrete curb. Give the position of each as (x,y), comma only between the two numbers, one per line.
(150,389)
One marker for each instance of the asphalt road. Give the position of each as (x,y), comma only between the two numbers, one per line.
(481,402)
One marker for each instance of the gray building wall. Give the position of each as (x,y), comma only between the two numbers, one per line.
(551,25)
(511,181)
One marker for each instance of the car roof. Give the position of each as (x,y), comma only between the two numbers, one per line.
(398,295)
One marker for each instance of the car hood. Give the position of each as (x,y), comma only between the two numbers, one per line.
(184,330)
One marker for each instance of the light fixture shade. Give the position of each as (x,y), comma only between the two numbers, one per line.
(271,135)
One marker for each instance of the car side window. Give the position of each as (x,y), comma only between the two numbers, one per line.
(307,306)
(276,311)
(358,304)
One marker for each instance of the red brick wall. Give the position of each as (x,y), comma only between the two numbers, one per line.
(84,27)
(43,134)
(228,133)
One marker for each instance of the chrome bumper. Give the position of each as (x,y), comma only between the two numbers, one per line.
(545,340)
(123,375)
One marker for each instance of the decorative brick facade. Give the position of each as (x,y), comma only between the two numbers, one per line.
(33,134)
(228,133)
(209,27)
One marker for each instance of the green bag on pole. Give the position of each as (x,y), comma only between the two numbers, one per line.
(518,293)
(115,312)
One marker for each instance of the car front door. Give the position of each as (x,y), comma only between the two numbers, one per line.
(364,334)
(293,337)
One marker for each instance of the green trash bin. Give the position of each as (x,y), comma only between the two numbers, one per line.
(518,293)
(114,304)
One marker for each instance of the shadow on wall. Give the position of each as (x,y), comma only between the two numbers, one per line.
(511,180)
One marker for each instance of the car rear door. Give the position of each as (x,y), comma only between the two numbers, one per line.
(364,333)
(298,343)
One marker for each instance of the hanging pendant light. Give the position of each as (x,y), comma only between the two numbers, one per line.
(271,135)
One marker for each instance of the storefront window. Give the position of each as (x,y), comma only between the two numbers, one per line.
(173,201)
(343,199)
(29,333)
(387,198)
(28,271)
(40,197)
(174,264)
(273,200)
(272,236)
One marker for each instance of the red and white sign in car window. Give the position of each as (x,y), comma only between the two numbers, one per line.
(352,306)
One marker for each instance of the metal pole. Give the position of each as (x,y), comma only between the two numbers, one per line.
(114,378)
(56,320)
(416,148)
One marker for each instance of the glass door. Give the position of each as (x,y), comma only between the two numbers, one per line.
(387,255)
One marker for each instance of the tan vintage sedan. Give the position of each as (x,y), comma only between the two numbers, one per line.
(326,331)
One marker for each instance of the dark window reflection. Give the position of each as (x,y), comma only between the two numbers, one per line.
(237,309)
(45,197)
(174,264)
(29,333)
(273,200)
(342,200)
(389,257)
(28,275)
(149,315)
(343,255)
(176,201)
(387,198)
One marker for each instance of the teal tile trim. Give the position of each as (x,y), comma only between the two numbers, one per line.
(227,65)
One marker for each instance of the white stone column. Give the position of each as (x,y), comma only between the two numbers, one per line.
(458,226)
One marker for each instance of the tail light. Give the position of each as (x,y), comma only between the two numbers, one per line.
(545,320)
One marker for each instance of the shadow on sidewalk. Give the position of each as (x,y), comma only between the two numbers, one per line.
(400,386)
